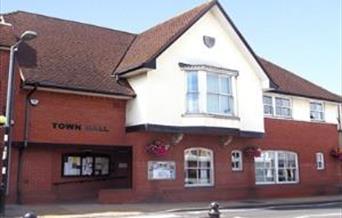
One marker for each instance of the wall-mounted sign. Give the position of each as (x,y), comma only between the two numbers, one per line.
(79,127)
(161,170)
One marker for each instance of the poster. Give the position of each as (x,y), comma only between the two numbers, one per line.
(161,170)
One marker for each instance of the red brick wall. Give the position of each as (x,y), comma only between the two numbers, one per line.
(42,164)
(304,138)
(4,56)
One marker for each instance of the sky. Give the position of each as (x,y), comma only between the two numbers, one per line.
(303,36)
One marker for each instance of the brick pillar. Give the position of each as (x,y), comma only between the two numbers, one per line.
(4,58)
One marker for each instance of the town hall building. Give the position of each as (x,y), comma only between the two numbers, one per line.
(184,111)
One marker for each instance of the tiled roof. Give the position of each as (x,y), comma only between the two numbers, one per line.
(153,41)
(7,36)
(290,83)
(79,56)
(70,55)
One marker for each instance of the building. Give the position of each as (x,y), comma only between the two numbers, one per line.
(181,112)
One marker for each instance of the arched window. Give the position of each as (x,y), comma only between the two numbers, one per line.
(198,166)
(276,167)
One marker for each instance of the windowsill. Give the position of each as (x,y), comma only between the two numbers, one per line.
(199,186)
(278,117)
(317,121)
(237,170)
(219,116)
(278,183)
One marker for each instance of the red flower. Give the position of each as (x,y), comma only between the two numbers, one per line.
(157,148)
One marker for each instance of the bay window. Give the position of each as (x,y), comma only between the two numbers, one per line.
(210,92)
(192,92)
(198,167)
(276,167)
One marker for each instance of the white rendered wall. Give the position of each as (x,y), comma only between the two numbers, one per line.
(301,108)
(161,97)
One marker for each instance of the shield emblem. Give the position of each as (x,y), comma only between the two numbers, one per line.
(209,41)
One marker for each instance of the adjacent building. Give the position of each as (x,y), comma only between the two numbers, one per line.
(184,111)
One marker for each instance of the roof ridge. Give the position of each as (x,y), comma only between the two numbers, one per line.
(66,20)
(212,2)
(297,76)
(204,8)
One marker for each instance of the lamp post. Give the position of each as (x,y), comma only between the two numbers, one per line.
(6,155)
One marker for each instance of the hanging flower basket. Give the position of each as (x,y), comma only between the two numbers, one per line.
(157,148)
(337,153)
(252,151)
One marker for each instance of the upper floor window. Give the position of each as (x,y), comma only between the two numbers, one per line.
(192,92)
(209,92)
(268,105)
(283,107)
(198,167)
(320,161)
(276,167)
(219,94)
(277,106)
(316,111)
(236,160)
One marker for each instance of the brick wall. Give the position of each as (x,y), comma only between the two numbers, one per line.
(304,138)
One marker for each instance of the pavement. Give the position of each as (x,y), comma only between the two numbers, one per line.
(93,210)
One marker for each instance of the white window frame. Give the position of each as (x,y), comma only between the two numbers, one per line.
(323,111)
(271,105)
(202,91)
(229,95)
(274,107)
(211,167)
(276,169)
(192,92)
(320,165)
(239,160)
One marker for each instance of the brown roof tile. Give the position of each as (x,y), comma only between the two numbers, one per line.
(69,54)
(79,56)
(290,83)
(153,41)
(7,36)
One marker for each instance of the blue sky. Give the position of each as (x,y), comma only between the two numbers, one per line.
(303,36)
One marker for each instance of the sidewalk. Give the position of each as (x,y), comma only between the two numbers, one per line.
(128,210)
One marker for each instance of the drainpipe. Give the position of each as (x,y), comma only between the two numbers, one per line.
(22,147)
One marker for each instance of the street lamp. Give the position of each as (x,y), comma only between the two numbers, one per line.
(6,155)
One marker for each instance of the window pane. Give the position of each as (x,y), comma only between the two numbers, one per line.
(192,102)
(198,167)
(72,166)
(101,166)
(224,105)
(87,166)
(192,82)
(213,103)
(268,109)
(212,83)
(267,100)
(225,85)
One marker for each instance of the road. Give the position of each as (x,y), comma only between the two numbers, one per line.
(323,210)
